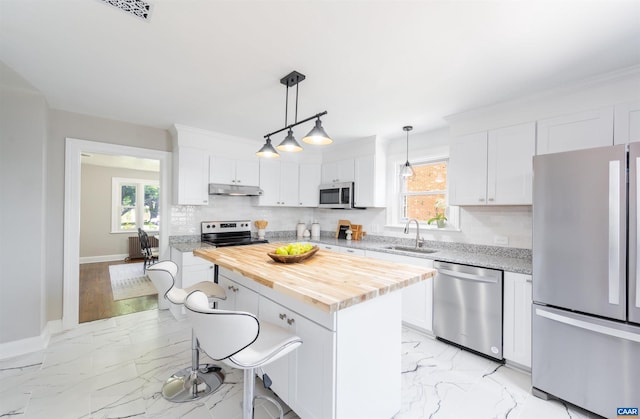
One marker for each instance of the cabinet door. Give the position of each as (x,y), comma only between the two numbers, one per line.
(247,172)
(304,378)
(517,318)
(222,170)
(338,171)
(277,370)
(510,165)
(346,170)
(312,369)
(365,187)
(627,123)
(309,177)
(191,176)
(269,182)
(229,288)
(576,131)
(468,170)
(329,172)
(289,183)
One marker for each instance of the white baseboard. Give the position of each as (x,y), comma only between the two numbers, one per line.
(105,258)
(32,344)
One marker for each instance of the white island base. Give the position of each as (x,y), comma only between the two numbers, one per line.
(349,364)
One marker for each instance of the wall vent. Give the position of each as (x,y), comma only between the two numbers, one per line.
(138,8)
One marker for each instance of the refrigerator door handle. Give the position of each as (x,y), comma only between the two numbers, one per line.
(637,255)
(597,328)
(614,232)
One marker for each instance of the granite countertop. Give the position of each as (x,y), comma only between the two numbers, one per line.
(494,257)
(506,259)
(330,281)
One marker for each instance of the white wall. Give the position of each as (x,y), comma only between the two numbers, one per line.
(96,238)
(23,129)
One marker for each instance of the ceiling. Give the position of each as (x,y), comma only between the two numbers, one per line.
(375,66)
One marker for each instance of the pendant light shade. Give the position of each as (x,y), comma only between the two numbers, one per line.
(267,150)
(407,170)
(289,143)
(317,135)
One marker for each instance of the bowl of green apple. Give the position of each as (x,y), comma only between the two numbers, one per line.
(293,252)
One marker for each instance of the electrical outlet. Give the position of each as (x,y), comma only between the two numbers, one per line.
(501,240)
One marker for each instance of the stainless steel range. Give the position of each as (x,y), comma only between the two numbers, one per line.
(228,233)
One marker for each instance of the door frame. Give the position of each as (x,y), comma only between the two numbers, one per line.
(71,236)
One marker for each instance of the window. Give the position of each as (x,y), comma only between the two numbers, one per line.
(424,195)
(135,203)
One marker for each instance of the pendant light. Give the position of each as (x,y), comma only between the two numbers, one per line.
(316,136)
(407,170)
(267,150)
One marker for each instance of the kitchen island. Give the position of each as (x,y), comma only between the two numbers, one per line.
(348,315)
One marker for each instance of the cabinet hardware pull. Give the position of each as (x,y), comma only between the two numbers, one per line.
(282,316)
(481,199)
(290,321)
(490,199)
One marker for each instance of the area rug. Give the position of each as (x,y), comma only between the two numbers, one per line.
(128,280)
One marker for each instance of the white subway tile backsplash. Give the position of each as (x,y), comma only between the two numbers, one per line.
(478,225)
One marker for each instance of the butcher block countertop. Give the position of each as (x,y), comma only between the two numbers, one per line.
(330,281)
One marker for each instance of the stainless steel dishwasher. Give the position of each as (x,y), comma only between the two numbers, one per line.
(467,307)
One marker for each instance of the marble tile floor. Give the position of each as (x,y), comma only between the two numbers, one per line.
(114,368)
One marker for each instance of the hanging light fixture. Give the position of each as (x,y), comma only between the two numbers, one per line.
(267,150)
(316,136)
(407,170)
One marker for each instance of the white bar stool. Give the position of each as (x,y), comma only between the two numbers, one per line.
(197,380)
(248,343)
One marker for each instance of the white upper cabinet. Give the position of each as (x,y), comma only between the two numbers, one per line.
(309,178)
(576,131)
(493,168)
(468,169)
(510,165)
(338,171)
(234,172)
(279,182)
(190,176)
(627,123)
(369,182)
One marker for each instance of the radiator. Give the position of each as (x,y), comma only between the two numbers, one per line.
(134,246)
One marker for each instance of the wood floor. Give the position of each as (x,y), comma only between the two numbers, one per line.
(96,298)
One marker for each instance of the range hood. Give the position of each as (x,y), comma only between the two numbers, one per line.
(234,190)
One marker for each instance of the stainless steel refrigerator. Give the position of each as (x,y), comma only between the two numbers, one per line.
(586,281)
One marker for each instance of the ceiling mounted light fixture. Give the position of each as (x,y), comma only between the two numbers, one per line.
(267,150)
(316,136)
(407,170)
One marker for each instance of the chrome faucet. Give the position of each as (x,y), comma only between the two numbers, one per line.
(419,241)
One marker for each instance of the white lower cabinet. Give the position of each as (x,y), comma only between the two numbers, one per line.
(417,300)
(304,377)
(239,297)
(517,318)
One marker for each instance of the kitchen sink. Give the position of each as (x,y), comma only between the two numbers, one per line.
(411,249)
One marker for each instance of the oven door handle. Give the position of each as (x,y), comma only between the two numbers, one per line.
(466,276)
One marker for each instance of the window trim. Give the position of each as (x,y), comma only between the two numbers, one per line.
(453,216)
(116,199)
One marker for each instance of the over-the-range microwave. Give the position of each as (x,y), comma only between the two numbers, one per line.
(336,195)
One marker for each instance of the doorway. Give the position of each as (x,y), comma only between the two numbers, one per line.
(73,152)
(118,195)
